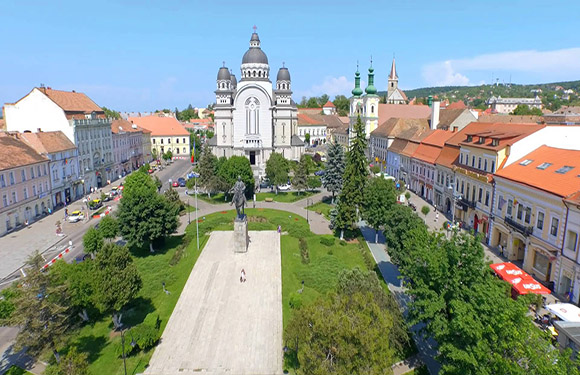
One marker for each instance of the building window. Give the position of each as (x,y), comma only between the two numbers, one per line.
(184,150)
(528,216)
(34,190)
(480,195)
(45,169)
(473,161)
(5,200)
(479,163)
(153,140)
(540,222)
(31,172)
(2,181)
(168,141)
(23,174)
(541,262)
(520,211)
(571,240)
(485,165)
(14,197)
(509,207)
(554,227)
(161,140)
(487,198)
(25,193)
(183,140)
(176,140)
(492,167)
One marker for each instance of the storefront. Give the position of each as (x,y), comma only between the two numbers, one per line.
(540,260)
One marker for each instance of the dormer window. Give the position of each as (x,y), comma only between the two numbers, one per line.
(526,162)
(481,140)
(495,142)
(469,138)
(564,169)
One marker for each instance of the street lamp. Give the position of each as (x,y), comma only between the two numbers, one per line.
(196,176)
(133,343)
(456,197)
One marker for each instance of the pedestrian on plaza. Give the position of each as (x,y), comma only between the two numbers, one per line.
(65,213)
(243,276)
(437,216)
(501,249)
(279,229)
(26,223)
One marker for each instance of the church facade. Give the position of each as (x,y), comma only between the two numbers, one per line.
(254,118)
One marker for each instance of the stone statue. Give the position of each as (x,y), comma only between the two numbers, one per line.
(239,197)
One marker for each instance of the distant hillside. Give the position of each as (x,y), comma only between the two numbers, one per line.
(551,93)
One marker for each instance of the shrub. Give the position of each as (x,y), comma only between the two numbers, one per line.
(304,251)
(342,243)
(145,336)
(407,195)
(118,346)
(295,301)
(177,255)
(327,241)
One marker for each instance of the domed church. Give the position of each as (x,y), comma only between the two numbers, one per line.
(252,118)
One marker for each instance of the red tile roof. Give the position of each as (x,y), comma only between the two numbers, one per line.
(415,141)
(71,101)
(304,119)
(395,126)
(457,105)
(509,119)
(328,104)
(561,184)
(160,125)
(388,111)
(124,126)
(14,152)
(48,142)
(431,146)
(507,134)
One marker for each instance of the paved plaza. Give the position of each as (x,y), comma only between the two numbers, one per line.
(222,326)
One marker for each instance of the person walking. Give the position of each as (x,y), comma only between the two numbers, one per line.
(243,276)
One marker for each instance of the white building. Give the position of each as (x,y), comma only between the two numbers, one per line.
(253,119)
(364,106)
(316,129)
(507,105)
(329,108)
(569,270)
(63,167)
(78,117)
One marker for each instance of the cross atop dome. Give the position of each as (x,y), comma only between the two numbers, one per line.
(254,27)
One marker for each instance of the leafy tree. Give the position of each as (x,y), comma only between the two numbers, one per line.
(154,154)
(313,182)
(158,183)
(277,168)
(425,210)
(400,226)
(355,180)
(78,278)
(334,170)
(307,138)
(144,216)
(109,227)
(237,166)
(73,363)
(312,103)
(379,199)
(42,310)
(167,156)
(116,280)
(375,169)
(92,241)
(208,167)
(7,297)
(525,110)
(111,113)
(342,105)
(323,99)
(341,334)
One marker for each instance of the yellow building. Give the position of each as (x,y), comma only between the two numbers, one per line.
(167,134)
(530,214)
(485,150)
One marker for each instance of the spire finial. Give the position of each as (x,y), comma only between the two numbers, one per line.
(283,64)
(371,61)
(254,27)
(357,65)
(224,64)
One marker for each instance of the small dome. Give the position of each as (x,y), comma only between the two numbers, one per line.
(255,37)
(255,56)
(223,74)
(283,74)
(234,80)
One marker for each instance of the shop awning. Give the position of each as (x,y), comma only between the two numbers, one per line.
(565,311)
(520,280)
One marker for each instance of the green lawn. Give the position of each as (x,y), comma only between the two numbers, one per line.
(321,208)
(215,198)
(14,370)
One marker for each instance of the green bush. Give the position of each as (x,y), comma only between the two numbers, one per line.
(145,336)
(327,241)
(118,346)
(177,255)
(295,301)
(304,251)
(342,243)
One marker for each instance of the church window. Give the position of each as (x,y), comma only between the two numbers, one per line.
(392,84)
(224,128)
(252,116)
(254,74)
(372,109)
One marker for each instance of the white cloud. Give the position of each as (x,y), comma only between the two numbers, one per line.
(331,86)
(556,64)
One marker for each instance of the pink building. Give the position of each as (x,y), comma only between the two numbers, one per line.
(24,183)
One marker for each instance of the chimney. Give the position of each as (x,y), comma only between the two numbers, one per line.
(435,113)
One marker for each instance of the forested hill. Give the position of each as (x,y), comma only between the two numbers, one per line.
(551,93)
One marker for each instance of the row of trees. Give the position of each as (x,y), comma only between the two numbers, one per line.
(465,308)
(341,103)
(278,172)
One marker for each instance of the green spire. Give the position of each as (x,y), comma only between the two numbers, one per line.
(371,89)
(357,91)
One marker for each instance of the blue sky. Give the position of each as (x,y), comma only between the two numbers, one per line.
(139,55)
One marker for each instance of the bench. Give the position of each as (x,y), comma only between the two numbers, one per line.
(269,199)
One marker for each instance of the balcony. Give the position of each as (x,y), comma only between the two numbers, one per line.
(525,230)
(467,204)
(252,143)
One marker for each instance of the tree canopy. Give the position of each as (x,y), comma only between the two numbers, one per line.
(525,110)
(230,169)
(334,169)
(109,227)
(301,173)
(92,241)
(277,168)
(379,199)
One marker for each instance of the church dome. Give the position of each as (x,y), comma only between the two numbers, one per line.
(223,74)
(283,74)
(234,81)
(255,55)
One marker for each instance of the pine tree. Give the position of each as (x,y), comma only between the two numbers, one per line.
(301,174)
(208,170)
(354,181)
(332,178)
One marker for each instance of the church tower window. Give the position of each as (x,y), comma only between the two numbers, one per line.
(252,116)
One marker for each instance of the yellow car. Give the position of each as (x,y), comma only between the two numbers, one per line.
(75,216)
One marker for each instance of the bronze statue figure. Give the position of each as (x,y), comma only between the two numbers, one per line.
(239,197)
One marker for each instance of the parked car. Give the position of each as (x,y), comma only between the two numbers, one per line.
(175,184)
(95,204)
(75,216)
(284,187)
(265,184)
(181,181)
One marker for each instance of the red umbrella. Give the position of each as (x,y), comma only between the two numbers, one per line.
(528,285)
(508,271)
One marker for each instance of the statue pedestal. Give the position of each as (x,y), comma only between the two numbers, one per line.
(241,235)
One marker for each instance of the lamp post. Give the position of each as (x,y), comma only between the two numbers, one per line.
(196,176)
(133,343)
(456,197)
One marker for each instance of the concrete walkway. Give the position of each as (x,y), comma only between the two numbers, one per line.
(222,326)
